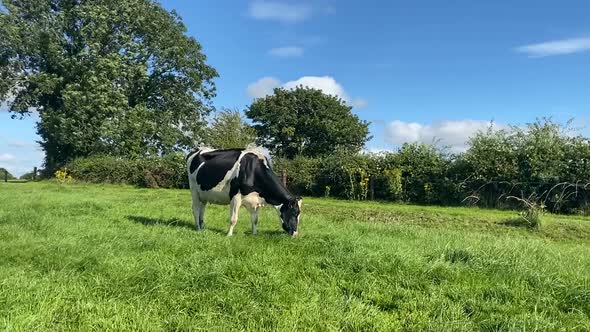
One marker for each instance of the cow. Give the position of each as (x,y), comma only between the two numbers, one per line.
(239,177)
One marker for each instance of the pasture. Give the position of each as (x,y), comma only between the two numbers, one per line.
(105,257)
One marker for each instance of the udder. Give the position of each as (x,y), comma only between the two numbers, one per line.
(253,201)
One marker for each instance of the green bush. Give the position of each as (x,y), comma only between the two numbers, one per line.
(346,175)
(423,173)
(392,179)
(170,171)
(166,172)
(532,209)
(417,173)
(105,169)
(301,174)
(542,159)
(27,176)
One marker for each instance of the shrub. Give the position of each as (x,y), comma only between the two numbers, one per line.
(27,176)
(583,210)
(541,158)
(544,157)
(346,174)
(106,169)
(392,178)
(423,173)
(301,174)
(532,210)
(63,176)
(416,174)
(169,171)
(166,172)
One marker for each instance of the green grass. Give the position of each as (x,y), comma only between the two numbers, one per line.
(91,257)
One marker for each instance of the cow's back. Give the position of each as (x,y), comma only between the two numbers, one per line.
(211,172)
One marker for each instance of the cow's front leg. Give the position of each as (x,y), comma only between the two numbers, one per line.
(234,208)
(254,219)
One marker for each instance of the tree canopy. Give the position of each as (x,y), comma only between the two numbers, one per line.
(229,130)
(105,76)
(307,122)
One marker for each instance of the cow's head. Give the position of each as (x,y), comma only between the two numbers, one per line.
(290,214)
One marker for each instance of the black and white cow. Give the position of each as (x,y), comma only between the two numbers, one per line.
(239,177)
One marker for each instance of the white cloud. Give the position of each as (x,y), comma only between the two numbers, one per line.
(359,103)
(287,51)
(279,11)
(327,84)
(6,157)
(263,87)
(453,134)
(19,144)
(556,47)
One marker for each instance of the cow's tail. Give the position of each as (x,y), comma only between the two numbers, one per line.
(200,148)
(192,153)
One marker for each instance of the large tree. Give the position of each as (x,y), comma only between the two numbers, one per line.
(307,122)
(105,76)
(229,130)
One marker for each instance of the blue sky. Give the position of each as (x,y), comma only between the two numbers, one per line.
(417,70)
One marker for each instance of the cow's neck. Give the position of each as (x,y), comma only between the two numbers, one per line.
(275,193)
(278,198)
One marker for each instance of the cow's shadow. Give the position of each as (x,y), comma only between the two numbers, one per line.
(269,233)
(173,222)
(176,222)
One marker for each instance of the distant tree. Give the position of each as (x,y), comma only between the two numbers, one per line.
(106,76)
(307,122)
(3,173)
(229,130)
(27,176)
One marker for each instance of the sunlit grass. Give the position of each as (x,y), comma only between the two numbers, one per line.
(81,257)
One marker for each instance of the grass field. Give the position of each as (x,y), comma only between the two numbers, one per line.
(89,257)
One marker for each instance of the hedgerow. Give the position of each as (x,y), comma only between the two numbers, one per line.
(166,172)
(543,160)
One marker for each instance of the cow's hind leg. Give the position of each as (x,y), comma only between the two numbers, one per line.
(198,212)
(234,208)
(202,215)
